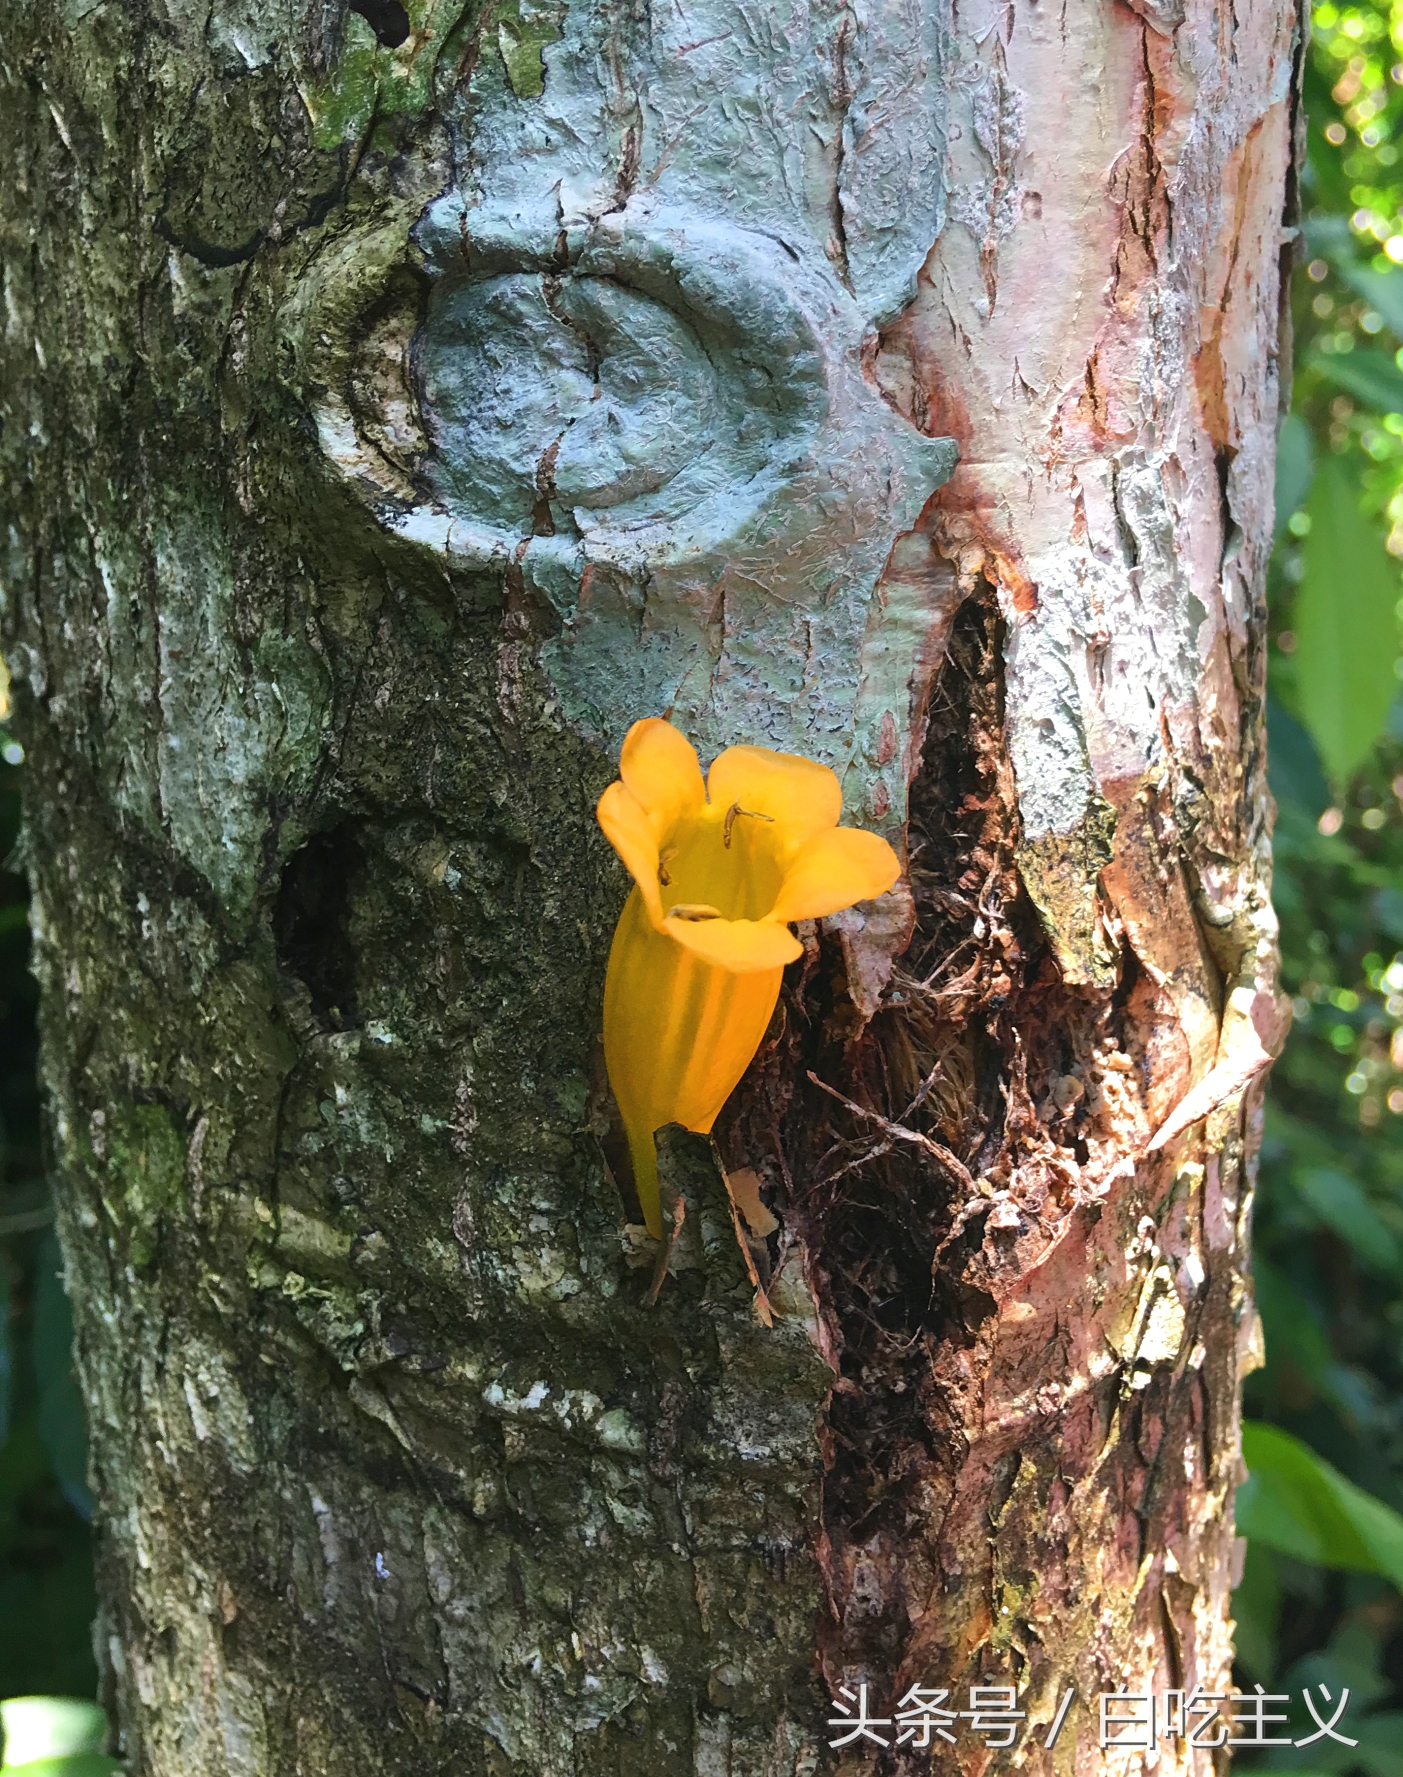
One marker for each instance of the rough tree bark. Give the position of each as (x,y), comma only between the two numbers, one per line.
(395,404)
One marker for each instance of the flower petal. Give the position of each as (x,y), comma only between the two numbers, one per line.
(630,832)
(832,871)
(741,945)
(659,765)
(802,798)
(678,1034)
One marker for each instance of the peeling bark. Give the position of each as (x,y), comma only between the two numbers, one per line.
(321,636)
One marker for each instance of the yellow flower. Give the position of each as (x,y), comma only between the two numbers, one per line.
(719,868)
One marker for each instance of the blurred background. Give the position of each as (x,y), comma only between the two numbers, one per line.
(1321,1598)
(46,1584)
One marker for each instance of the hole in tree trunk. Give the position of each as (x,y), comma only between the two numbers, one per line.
(311,924)
(387,18)
(976,1029)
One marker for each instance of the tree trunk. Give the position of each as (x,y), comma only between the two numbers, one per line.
(398,404)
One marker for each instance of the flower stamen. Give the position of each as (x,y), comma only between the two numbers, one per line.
(731,813)
(665,857)
(693,910)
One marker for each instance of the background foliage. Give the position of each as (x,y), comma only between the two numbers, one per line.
(46,1586)
(1320,1600)
(1321,1597)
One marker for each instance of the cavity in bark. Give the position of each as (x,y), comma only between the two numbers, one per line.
(387,18)
(974,1030)
(311,924)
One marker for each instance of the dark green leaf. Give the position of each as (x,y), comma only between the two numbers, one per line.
(1293,764)
(46,1607)
(1371,377)
(1388,910)
(1340,1205)
(1346,631)
(1380,1740)
(1256,1606)
(1296,1503)
(1295,465)
(1352,1661)
(1290,1327)
(62,1424)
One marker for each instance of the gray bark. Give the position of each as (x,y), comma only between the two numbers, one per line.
(385,426)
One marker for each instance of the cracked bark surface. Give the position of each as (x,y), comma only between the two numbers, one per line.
(396,1469)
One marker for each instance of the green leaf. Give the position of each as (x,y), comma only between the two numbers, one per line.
(1346,631)
(46,1609)
(1328,234)
(1295,466)
(1296,1503)
(1340,1205)
(1289,1324)
(1256,1606)
(1371,377)
(43,1730)
(1293,764)
(1388,910)
(1381,1744)
(23,1465)
(1351,1661)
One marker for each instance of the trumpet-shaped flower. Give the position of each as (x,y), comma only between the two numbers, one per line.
(720,867)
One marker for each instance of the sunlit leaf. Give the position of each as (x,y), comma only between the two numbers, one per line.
(55,1737)
(1297,1503)
(1346,632)
(1371,377)
(74,1764)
